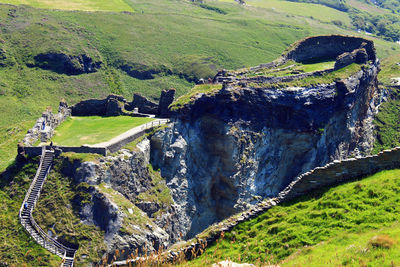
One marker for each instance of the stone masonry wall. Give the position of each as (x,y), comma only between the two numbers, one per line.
(44,127)
(328,47)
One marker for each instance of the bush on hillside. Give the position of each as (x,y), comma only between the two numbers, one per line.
(382,241)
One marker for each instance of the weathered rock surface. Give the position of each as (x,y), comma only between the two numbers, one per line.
(144,105)
(231,149)
(328,47)
(166,99)
(113,105)
(358,56)
(123,177)
(62,63)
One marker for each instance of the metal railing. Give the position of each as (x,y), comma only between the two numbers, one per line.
(155,123)
(33,183)
(41,237)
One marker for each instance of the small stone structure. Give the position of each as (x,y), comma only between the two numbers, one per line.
(143,104)
(111,147)
(112,105)
(115,105)
(44,127)
(358,56)
(166,99)
(327,47)
(344,49)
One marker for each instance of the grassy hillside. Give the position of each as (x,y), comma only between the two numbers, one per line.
(16,247)
(310,10)
(176,41)
(165,43)
(387,121)
(352,224)
(86,5)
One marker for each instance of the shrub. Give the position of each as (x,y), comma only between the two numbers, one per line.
(382,241)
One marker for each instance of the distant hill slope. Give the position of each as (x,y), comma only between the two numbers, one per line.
(46,54)
(84,5)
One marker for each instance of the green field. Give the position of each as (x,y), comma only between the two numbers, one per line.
(314,11)
(77,131)
(327,227)
(84,5)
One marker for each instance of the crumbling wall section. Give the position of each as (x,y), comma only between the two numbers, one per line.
(328,47)
(44,127)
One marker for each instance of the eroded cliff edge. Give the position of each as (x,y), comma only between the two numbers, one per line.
(229,149)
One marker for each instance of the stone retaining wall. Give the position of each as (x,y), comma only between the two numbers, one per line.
(148,127)
(113,147)
(37,151)
(328,175)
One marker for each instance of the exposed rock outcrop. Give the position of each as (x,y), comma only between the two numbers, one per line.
(113,105)
(118,186)
(166,99)
(144,105)
(232,148)
(358,56)
(62,63)
(141,72)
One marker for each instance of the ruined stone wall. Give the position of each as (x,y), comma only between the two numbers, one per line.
(44,127)
(328,47)
(339,171)
(113,105)
(284,79)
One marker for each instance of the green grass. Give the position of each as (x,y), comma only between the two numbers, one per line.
(387,126)
(57,211)
(81,157)
(191,96)
(17,248)
(292,68)
(351,249)
(322,13)
(77,131)
(327,78)
(159,193)
(390,69)
(356,210)
(84,5)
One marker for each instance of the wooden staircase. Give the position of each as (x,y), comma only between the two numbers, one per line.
(25,213)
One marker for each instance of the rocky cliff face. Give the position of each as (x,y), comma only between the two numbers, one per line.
(229,150)
(131,205)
